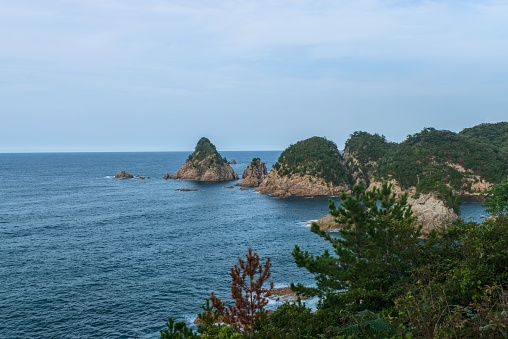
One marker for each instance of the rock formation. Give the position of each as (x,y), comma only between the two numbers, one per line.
(308,168)
(296,185)
(232,162)
(123,175)
(166,176)
(431,212)
(205,164)
(254,173)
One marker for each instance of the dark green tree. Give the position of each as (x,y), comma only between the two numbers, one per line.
(177,330)
(496,199)
(373,252)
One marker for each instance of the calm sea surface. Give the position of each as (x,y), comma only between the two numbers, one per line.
(86,255)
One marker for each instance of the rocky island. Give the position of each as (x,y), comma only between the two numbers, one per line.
(254,173)
(205,164)
(308,168)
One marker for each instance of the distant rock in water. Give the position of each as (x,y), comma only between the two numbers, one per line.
(310,167)
(123,175)
(205,164)
(232,162)
(254,173)
(186,190)
(166,176)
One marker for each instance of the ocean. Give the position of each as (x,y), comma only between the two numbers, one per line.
(85,255)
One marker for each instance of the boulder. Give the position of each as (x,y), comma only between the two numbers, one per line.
(431,212)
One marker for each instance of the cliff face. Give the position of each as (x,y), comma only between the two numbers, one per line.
(297,185)
(431,212)
(310,167)
(254,173)
(205,164)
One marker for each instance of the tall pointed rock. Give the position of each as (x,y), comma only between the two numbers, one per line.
(205,164)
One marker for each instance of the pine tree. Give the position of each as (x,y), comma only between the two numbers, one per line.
(374,251)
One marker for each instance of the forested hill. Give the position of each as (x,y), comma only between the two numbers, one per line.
(495,134)
(315,156)
(438,161)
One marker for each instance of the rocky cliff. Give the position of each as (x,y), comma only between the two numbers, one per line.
(297,185)
(310,167)
(254,173)
(205,164)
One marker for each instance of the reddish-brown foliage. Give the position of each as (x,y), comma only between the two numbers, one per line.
(247,279)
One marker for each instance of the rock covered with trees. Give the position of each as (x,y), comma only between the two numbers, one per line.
(205,164)
(308,168)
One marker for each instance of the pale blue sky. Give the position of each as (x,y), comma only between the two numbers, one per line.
(156,75)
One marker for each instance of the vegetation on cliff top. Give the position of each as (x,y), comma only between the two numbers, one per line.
(433,161)
(495,134)
(205,149)
(315,156)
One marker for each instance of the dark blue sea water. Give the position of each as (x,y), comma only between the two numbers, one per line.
(86,255)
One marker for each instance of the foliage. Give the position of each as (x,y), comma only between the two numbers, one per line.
(374,251)
(177,330)
(255,162)
(247,280)
(315,156)
(494,134)
(206,150)
(367,149)
(440,162)
(496,199)
(460,281)
(289,321)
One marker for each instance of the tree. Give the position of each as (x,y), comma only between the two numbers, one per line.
(496,201)
(177,330)
(247,280)
(374,251)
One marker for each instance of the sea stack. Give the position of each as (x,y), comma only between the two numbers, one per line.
(123,175)
(205,164)
(311,167)
(254,173)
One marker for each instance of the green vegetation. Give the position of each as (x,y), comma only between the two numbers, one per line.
(496,199)
(315,156)
(494,134)
(255,162)
(206,150)
(433,161)
(382,281)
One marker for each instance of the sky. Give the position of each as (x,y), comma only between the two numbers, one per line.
(157,75)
